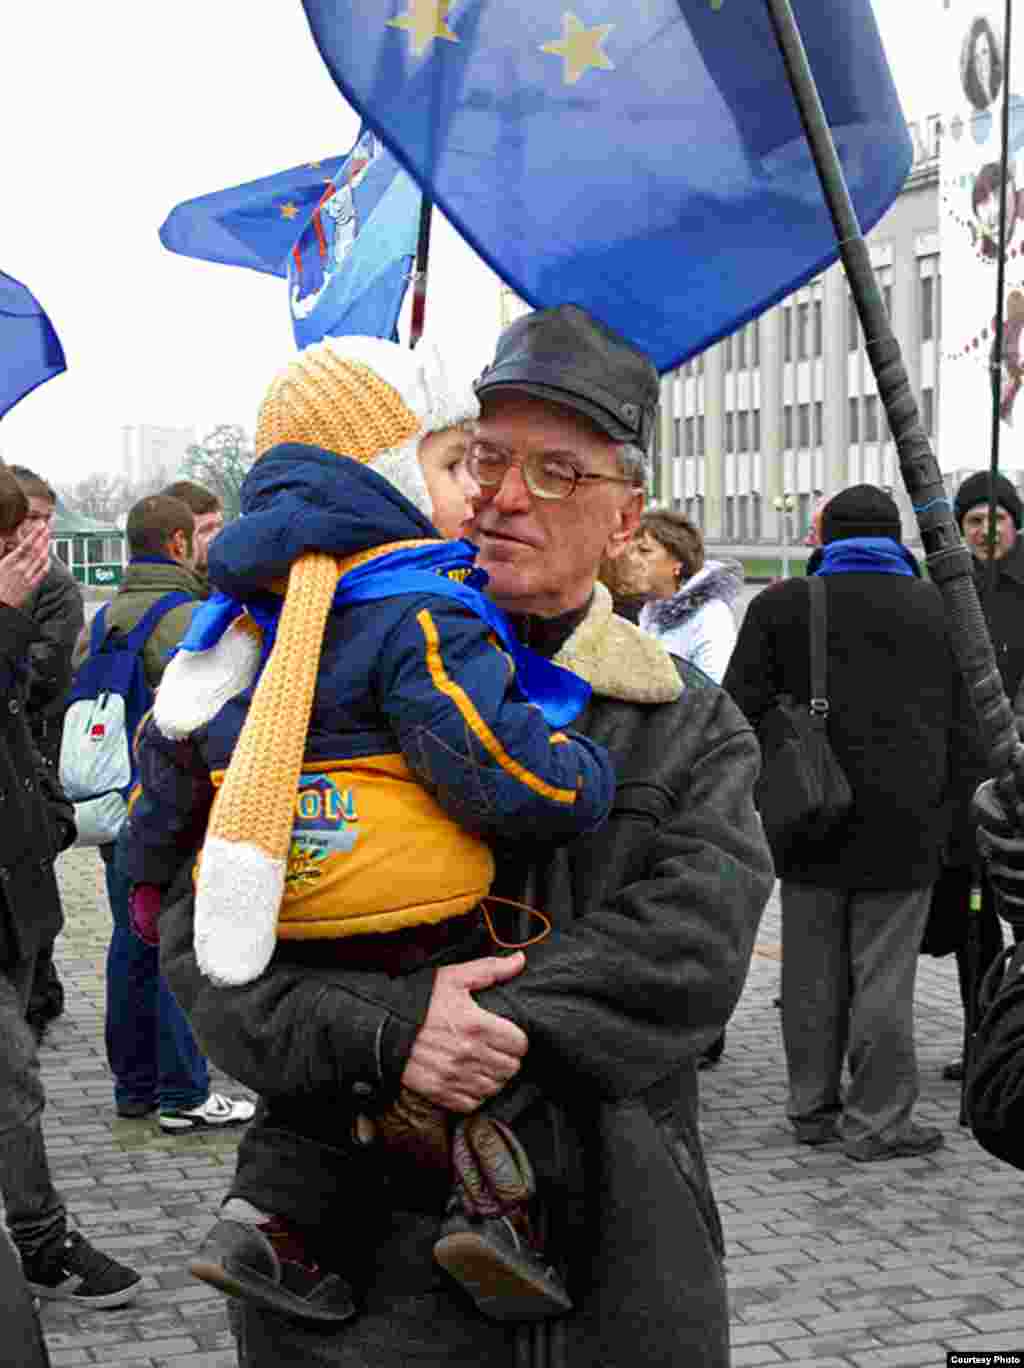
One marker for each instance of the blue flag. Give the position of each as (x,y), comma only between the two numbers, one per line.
(350,268)
(641,158)
(343,231)
(30,351)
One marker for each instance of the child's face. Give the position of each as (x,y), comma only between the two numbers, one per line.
(443,460)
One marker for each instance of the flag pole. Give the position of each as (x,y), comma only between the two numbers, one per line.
(999,341)
(419,278)
(948,560)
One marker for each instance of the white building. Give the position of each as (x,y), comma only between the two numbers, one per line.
(154,455)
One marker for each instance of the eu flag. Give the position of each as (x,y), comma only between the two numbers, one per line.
(30,351)
(641,158)
(343,232)
(254,224)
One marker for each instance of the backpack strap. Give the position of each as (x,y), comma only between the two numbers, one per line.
(98,631)
(151,618)
(819,648)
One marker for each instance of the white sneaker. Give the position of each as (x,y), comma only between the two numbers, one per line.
(217,1111)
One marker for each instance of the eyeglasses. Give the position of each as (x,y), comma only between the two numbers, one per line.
(546,477)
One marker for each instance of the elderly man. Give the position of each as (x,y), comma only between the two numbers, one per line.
(654,919)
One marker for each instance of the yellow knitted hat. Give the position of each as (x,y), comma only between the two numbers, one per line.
(370,401)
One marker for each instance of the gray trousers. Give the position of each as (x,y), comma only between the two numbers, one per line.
(849,959)
(34,1212)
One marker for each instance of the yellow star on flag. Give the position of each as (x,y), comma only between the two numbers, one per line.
(314,166)
(288,211)
(425,20)
(580,47)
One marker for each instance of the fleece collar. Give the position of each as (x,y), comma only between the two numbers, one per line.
(618,660)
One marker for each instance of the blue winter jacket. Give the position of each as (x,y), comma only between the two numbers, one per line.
(419,744)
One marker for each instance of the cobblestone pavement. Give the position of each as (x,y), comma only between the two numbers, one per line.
(830,1263)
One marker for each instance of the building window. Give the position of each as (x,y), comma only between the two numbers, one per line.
(700,435)
(755,435)
(677,437)
(802,314)
(787,426)
(852,325)
(927,308)
(787,334)
(928,411)
(855,419)
(805,425)
(743,425)
(755,343)
(817,328)
(817,423)
(728,432)
(742,528)
(803,514)
(699,364)
(689,437)
(741,349)
(727,353)
(871,418)
(730,518)
(755,500)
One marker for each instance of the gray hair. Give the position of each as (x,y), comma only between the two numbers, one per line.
(632,462)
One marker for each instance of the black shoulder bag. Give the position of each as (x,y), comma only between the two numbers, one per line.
(802,793)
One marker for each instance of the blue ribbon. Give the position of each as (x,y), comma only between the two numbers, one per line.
(444,568)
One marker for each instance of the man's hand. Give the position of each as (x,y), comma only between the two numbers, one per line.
(22,568)
(463,1055)
(1001,845)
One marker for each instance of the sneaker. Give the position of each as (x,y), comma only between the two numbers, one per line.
(268,1265)
(917,1140)
(213,1114)
(75,1272)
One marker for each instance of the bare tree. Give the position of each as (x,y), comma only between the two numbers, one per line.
(220,464)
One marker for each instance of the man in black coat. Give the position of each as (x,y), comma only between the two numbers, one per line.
(854,905)
(56,608)
(37,823)
(999,580)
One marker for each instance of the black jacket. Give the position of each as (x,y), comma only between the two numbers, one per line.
(57,610)
(36,821)
(655,917)
(898,718)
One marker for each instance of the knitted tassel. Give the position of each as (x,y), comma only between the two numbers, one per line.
(197,684)
(245,858)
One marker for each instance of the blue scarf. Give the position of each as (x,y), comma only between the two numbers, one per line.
(866,556)
(445,568)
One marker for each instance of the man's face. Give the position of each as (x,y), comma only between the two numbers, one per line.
(542,556)
(976,531)
(39,511)
(206,528)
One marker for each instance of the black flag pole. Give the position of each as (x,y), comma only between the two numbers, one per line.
(948,559)
(419,278)
(999,341)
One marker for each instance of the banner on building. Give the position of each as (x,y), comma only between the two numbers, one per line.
(974,86)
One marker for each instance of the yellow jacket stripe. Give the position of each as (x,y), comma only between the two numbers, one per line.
(476,723)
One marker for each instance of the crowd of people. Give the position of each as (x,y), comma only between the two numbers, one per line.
(460,874)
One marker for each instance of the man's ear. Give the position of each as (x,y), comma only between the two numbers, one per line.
(627,520)
(178,546)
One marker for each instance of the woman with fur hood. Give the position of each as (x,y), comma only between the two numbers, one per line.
(689,600)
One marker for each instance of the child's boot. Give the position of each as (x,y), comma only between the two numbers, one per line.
(263,1260)
(487,1242)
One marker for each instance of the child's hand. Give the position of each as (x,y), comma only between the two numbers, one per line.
(144,913)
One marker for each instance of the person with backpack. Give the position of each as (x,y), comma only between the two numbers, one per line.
(37,824)
(156,1063)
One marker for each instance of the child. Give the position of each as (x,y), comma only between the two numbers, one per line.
(383,741)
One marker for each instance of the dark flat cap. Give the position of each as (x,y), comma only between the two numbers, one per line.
(565,356)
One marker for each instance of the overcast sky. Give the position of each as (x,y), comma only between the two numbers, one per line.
(112,114)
